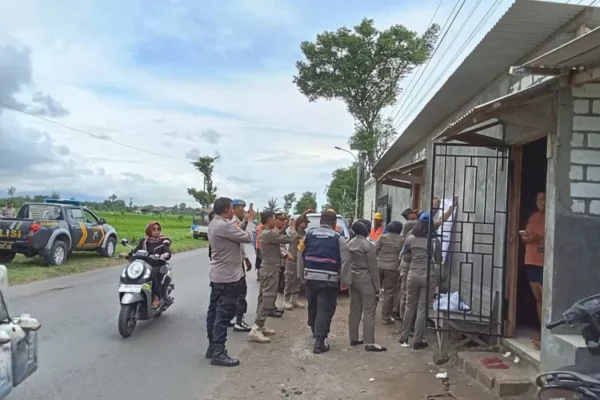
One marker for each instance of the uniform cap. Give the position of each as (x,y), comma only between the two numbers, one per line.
(238,202)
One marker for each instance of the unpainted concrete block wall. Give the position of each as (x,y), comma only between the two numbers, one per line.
(584,173)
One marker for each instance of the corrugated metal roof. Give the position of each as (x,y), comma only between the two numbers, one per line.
(485,112)
(579,52)
(524,26)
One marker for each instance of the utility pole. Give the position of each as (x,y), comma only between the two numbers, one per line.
(358,200)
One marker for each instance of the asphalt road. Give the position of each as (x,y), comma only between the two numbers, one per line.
(82,355)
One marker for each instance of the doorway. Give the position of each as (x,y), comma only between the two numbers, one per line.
(533,181)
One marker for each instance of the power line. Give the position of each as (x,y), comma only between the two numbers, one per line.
(479,26)
(439,43)
(412,78)
(99,137)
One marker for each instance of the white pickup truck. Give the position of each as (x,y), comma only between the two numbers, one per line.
(200,226)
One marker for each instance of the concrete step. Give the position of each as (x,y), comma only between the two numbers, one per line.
(524,352)
(517,380)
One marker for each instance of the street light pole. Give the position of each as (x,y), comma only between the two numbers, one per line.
(358,173)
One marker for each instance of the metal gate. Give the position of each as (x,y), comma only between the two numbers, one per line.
(473,239)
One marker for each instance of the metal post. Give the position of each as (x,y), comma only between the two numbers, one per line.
(357,194)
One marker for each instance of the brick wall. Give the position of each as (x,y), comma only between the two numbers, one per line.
(584,173)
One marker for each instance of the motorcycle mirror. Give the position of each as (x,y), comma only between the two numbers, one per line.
(124,242)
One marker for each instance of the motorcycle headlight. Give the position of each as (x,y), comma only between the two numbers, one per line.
(135,269)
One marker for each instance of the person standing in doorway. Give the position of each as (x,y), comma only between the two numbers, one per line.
(533,236)
(377,229)
(420,289)
(270,241)
(226,275)
(364,288)
(388,248)
(239,219)
(323,261)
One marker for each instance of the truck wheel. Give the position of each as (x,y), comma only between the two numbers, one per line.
(109,250)
(196,237)
(58,254)
(127,321)
(6,257)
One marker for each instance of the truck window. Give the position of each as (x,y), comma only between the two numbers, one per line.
(90,218)
(76,214)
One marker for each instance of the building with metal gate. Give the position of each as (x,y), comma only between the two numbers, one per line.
(494,139)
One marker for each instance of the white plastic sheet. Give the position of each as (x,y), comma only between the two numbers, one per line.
(456,304)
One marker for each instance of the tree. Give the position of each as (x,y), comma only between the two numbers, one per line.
(113,198)
(363,68)
(306,201)
(131,202)
(182,206)
(341,191)
(373,145)
(271,205)
(55,195)
(288,201)
(11,191)
(206,197)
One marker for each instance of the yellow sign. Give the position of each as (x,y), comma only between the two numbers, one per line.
(10,233)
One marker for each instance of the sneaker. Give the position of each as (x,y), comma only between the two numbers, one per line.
(241,327)
(256,335)
(288,306)
(275,314)
(321,346)
(267,332)
(296,303)
(388,321)
(404,343)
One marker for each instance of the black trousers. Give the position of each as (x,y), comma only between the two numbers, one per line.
(242,305)
(258,259)
(322,302)
(222,308)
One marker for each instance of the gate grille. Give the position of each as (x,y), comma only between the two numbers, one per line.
(474,238)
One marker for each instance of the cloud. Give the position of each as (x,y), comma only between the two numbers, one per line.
(177,79)
(211,136)
(193,154)
(45,105)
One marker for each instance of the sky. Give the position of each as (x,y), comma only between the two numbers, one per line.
(142,87)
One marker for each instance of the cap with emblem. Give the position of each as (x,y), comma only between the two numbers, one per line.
(238,202)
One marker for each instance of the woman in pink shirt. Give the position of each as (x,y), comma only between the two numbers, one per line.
(533,237)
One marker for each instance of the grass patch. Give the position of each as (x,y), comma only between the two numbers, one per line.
(131,226)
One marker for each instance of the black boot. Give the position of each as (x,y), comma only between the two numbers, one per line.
(275,314)
(221,358)
(321,346)
(209,352)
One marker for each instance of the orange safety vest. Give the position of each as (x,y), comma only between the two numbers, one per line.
(375,233)
(258,230)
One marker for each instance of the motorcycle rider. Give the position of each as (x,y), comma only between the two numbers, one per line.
(158,245)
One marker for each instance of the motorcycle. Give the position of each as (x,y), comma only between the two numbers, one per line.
(135,290)
(582,381)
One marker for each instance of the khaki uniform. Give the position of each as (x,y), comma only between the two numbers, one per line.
(400,303)
(270,248)
(420,292)
(388,248)
(292,282)
(363,289)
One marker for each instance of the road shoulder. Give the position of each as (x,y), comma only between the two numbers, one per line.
(286,368)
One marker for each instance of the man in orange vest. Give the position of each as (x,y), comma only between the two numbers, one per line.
(377,229)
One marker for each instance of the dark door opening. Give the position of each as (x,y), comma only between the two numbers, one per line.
(533,181)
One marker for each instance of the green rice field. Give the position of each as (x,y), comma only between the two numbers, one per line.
(129,226)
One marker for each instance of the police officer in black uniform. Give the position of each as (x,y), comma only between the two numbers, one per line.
(323,263)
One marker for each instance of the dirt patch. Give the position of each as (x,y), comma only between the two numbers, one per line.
(286,368)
